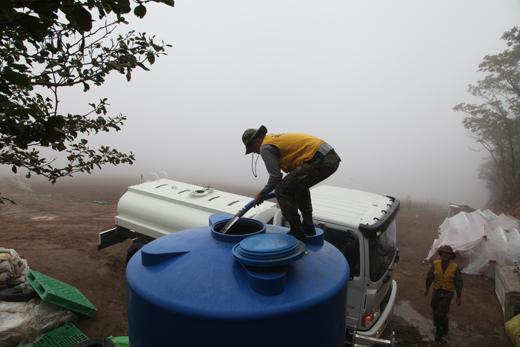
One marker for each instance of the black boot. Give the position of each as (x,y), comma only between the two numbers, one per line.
(308,225)
(445,329)
(309,229)
(297,231)
(438,334)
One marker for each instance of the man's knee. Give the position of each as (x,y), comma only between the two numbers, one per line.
(282,189)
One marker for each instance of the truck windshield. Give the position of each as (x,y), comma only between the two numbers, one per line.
(382,250)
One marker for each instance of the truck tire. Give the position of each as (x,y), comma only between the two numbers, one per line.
(133,250)
(16,294)
(96,342)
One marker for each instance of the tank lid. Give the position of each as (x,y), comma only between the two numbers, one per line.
(267,250)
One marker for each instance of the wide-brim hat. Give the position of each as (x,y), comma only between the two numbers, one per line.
(250,133)
(447,249)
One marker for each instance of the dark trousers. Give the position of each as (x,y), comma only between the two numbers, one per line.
(441,300)
(292,193)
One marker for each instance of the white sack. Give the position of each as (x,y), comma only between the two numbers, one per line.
(12,267)
(26,321)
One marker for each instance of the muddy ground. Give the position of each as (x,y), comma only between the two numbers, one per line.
(56,227)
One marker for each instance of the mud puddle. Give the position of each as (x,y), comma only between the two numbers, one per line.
(403,311)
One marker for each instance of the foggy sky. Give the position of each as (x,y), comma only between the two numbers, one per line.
(375,79)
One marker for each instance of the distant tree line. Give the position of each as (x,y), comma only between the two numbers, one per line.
(46,45)
(495,123)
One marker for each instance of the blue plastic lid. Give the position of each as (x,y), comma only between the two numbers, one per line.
(268,247)
(269,250)
(269,243)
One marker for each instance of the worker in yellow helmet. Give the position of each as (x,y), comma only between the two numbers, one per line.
(306,159)
(446,278)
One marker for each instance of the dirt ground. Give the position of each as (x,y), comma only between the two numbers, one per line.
(56,227)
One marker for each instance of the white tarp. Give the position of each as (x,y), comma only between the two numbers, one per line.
(481,240)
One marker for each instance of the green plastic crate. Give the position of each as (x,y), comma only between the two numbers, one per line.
(60,293)
(65,336)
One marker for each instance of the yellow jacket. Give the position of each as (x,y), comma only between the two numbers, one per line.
(446,280)
(295,149)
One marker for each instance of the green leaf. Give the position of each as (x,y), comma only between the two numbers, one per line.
(124,5)
(140,11)
(116,67)
(151,58)
(4,88)
(15,77)
(19,67)
(69,13)
(83,17)
(167,2)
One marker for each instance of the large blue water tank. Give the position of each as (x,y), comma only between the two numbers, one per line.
(193,288)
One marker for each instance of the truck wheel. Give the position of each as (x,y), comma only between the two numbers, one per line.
(133,250)
(96,342)
(16,294)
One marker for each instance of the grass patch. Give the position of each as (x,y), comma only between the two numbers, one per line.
(25,188)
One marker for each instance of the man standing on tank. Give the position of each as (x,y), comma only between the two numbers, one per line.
(446,278)
(306,159)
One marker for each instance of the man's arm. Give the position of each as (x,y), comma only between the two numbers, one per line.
(429,280)
(270,156)
(271,159)
(458,285)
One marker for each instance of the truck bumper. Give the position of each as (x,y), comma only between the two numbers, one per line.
(378,328)
(113,236)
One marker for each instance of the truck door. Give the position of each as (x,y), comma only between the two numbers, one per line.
(348,243)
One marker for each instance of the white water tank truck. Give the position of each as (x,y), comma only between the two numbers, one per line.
(360,224)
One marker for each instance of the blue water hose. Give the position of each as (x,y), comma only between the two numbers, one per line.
(249,205)
(242,212)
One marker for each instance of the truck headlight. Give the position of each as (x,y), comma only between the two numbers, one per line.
(369,320)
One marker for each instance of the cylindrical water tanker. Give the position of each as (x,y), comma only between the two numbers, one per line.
(254,286)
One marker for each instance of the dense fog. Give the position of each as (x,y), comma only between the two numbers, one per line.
(375,79)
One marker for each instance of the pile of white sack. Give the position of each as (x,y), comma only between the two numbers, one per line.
(23,323)
(481,240)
